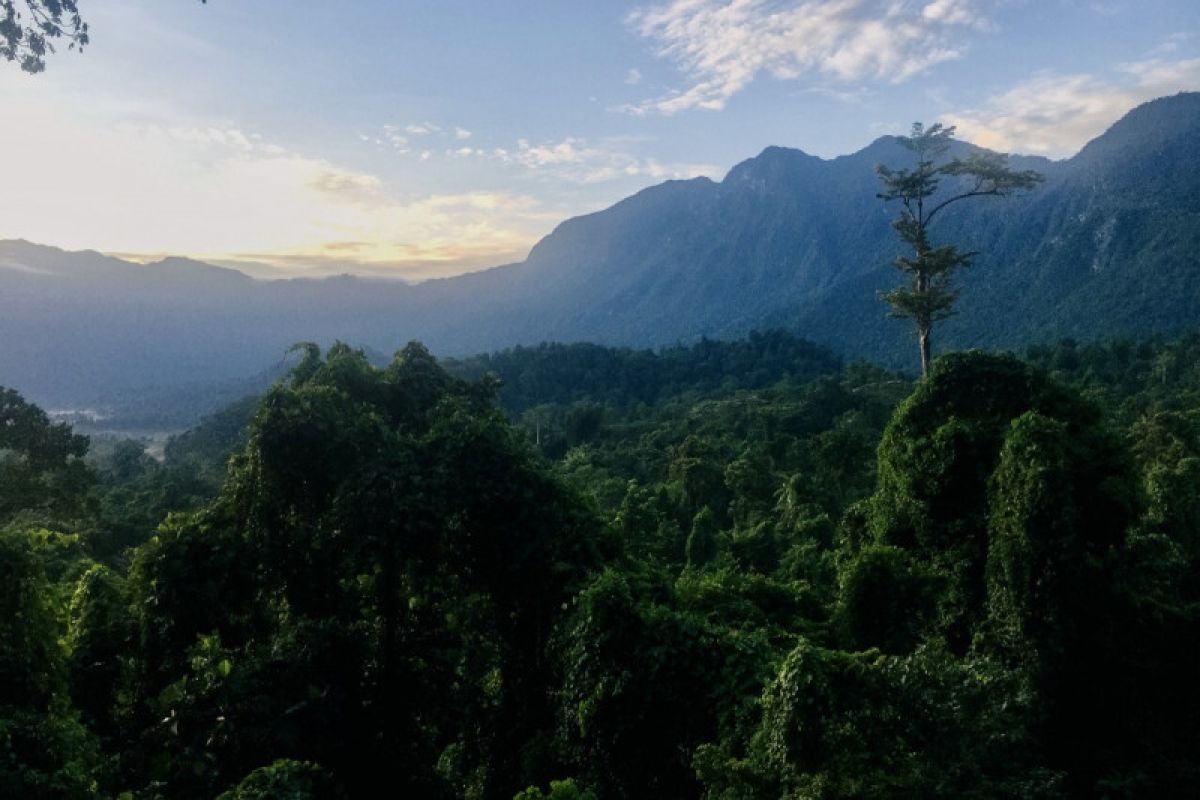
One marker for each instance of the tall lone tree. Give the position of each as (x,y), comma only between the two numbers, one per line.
(928,296)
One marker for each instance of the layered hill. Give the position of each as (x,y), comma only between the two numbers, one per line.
(1108,245)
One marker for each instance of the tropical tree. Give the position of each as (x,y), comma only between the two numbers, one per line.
(30,28)
(929,295)
(44,751)
(42,470)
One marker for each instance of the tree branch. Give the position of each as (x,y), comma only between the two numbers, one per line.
(963,196)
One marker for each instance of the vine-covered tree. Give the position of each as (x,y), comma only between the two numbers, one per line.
(929,295)
(41,462)
(726,592)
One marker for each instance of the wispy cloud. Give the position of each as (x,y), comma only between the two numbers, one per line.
(388,136)
(400,138)
(343,184)
(1055,115)
(1107,9)
(221,191)
(576,160)
(391,135)
(429,237)
(1171,45)
(855,96)
(723,45)
(571,160)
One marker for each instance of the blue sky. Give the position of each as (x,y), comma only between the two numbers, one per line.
(415,139)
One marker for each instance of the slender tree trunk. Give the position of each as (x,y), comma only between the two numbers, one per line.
(924,319)
(923,340)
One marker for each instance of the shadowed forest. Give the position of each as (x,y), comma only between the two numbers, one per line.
(760,573)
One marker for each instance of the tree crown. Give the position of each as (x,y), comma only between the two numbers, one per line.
(985,174)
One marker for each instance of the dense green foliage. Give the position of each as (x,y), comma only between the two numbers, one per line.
(736,570)
(558,374)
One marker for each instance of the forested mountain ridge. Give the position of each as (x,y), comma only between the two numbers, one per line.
(1107,246)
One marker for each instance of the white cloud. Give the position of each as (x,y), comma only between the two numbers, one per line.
(398,138)
(1158,77)
(391,135)
(854,96)
(422,129)
(575,160)
(1055,115)
(633,77)
(352,186)
(1171,44)
(570,150)
(1107,9)
(950,12)
(388,136)
(722,45)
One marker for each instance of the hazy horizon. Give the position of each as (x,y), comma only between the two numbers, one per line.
(260,270)
(437,141)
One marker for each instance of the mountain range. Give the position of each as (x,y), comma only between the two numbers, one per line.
(1108,245)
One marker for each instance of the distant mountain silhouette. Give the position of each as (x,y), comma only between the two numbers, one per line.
(1109,245)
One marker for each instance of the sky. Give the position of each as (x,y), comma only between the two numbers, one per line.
(423,139)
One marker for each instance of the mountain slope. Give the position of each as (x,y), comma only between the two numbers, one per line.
(1110,244)
(1107,245)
